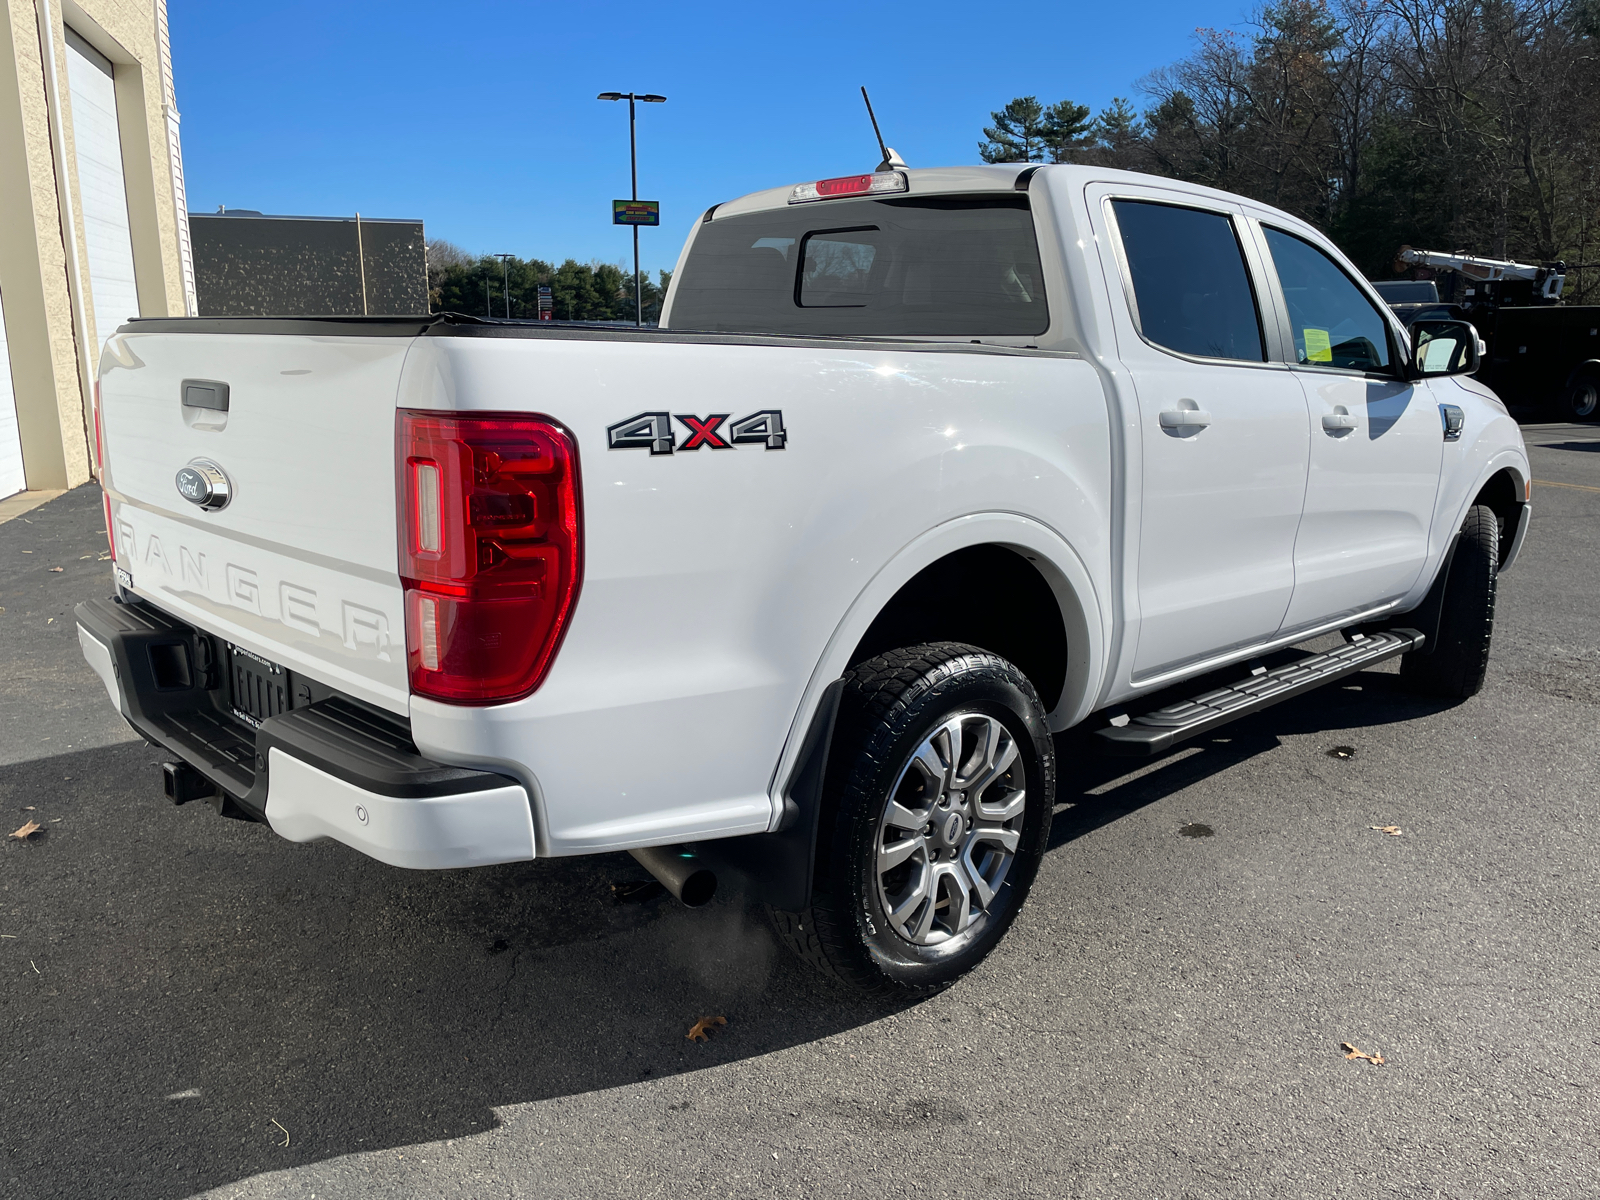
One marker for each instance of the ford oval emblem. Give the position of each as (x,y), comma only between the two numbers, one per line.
(205,484)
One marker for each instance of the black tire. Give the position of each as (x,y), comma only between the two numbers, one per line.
(1456,666)
(893,706)
(1581,401)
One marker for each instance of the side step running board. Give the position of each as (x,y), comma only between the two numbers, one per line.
(1164,728)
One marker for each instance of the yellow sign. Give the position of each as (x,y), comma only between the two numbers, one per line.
(1318,347)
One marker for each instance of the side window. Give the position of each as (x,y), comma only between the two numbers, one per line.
(1190,282)
(1335,325)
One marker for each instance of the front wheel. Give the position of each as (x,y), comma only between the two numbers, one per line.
(1455,666)
(941,787)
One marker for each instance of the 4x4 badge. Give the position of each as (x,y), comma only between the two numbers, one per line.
(653,431)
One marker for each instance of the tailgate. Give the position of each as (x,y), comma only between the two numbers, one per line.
(300,567)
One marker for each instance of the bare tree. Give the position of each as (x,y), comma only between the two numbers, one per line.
(1469,123)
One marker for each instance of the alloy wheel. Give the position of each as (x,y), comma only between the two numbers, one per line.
(950,829)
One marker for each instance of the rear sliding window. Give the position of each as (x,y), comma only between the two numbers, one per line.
(905,267)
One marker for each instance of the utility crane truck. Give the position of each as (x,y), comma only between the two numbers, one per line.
(1540,353)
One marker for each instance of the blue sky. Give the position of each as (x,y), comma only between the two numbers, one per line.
(480,118)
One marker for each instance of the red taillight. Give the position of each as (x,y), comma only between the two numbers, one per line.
(99,439)
(100,469)
(490,550)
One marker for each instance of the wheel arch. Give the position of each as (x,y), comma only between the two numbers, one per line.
(1039,549)
(1588,367)
(1504,492)
(990,595)
(778,866)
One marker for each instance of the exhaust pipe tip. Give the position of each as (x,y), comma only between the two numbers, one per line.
(699,888)
(677,870)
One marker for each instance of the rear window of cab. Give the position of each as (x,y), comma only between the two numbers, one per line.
(945,266)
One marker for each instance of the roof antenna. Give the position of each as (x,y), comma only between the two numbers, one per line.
(891,160)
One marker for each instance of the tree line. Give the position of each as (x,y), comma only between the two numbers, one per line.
(1447,124)
(479,286)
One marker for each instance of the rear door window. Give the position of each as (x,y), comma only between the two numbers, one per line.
(1335,325)
(1190,284)
(947,266)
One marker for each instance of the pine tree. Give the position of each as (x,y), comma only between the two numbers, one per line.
(1118,127)
(1017,135)
(1065,129)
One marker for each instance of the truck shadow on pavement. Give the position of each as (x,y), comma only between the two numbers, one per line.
(188,993)
(185,993)
(1097,790)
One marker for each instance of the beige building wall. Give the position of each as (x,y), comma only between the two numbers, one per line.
(45,274)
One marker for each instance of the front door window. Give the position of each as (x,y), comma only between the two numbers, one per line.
(1335,325)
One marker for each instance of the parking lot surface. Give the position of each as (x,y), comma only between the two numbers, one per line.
(191,1006)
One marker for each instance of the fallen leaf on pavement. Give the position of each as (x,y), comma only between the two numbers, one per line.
(1351,1052)
(1342,752)
(701,1030)
(1391,830)
(27,831)
(636,891)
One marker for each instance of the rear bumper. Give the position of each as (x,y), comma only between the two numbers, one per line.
(330,768)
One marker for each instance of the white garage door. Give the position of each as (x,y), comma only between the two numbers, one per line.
(98,148)
(10,442)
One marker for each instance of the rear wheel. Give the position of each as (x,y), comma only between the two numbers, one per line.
(1459,659)
(1582,400)
(934,821)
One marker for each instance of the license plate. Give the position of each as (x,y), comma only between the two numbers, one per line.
(257,688)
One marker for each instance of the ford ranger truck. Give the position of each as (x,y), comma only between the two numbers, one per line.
(921,468)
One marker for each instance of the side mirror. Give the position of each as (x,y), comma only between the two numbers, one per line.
(1443,348)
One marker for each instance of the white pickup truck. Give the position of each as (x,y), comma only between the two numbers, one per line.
(921,467)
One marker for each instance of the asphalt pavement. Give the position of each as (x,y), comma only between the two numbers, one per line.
(191,1006)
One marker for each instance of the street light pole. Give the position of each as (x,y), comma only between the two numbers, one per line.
(505,279)
(633,167)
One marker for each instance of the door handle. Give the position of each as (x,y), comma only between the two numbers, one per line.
(1334,422)
(1184,418)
